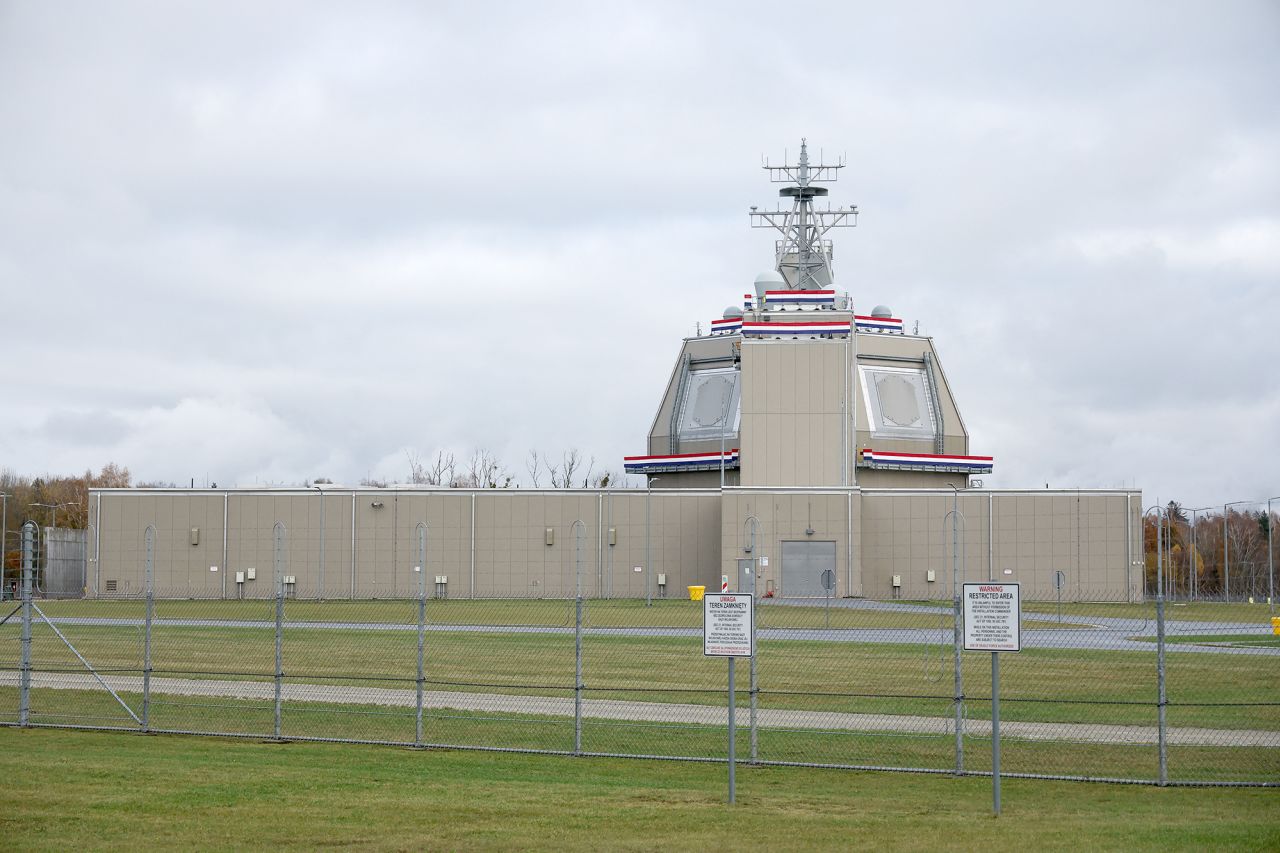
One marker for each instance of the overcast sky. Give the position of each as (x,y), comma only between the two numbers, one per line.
(268,242)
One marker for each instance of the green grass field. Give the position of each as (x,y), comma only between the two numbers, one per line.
(86,790)
(634,613)
(1257,613)
(1070,687)
(606,613)
(1037,684)
(530,731)
(1250,641)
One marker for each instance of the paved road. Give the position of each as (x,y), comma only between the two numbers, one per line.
(658,712)
(1105,634)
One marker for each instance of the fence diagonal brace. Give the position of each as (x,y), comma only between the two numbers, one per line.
(87,665)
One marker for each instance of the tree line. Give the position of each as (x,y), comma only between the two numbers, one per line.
(484,470)
(1210,554)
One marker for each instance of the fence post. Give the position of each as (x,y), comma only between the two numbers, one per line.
(577,681)
(422,627)
(279,655)
(957,642)
(755,653)
(279,575)
(28,568)
(579,529)
(957,639)
(1163,701)
(150,537)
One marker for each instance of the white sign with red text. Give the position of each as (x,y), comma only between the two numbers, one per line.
(992,617)
(727,625)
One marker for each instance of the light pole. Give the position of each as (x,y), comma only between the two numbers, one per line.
(1271,558)
(1160,682)
(1159,511)
(4,541)
(1226,550)
(1193,583)
(648,541)
(55,508)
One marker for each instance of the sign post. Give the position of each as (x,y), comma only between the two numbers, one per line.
(993,623)
(1059,578)
(828,586)
(728,630)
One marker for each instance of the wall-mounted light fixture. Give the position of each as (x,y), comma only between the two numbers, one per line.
(376,504)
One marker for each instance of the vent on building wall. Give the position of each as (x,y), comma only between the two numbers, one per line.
(111,586)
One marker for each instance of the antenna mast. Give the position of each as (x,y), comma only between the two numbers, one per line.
(804,253)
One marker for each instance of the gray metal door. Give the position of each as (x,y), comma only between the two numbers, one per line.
(802,566)
(746,575)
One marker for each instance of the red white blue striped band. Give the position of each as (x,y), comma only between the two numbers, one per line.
(926,461)
(878,324)
(680,462)
(799,297)
(795,328)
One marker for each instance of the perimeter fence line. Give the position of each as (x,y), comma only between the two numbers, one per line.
(1105,692)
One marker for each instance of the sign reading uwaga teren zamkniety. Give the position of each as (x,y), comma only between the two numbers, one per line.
(727,624)
(992,617)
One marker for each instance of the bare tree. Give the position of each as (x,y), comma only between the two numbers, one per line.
(591,467)
(533,464)
(603,480)
(562,477)
(441,470)
(438,472)
(484,471)
(417,470)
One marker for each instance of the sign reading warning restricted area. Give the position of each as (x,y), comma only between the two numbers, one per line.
(992,617)
(727,624)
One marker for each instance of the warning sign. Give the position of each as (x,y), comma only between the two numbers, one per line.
(992,617)
(727,625)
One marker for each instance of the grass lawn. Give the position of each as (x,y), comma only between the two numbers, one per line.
(599,613)
(1037,684)
(1253,641)
(527,730)
(1200,611)
(81,790)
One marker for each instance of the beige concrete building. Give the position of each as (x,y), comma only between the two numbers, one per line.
(799,449)
(367,543)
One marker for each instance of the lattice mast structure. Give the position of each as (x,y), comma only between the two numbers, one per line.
(804,253)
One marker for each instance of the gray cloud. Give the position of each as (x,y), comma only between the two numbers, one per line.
(272,243)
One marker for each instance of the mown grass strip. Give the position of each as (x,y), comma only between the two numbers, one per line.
(84,790)
(515,729)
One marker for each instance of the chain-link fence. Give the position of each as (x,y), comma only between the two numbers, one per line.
(842,683)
